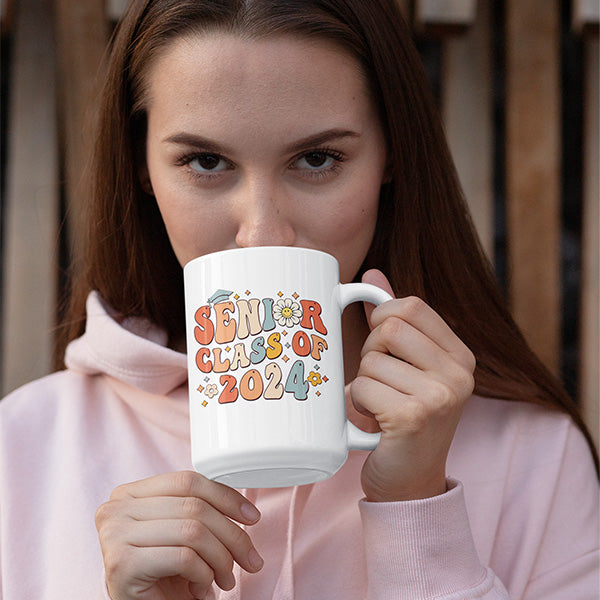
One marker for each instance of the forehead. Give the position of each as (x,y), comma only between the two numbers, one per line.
(255,79)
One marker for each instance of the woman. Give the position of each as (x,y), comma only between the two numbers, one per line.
(227,124)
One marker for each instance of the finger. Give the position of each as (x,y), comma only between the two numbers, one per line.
(167,507)
(401,339)
(420,315)
(416,362)
(192,534)
(190,519)
(190,484)
(377,278)
(404,412)
(386,404)
(408,379)
(154,563)
(423,395)
(397,374)
(199,592)
(361,417)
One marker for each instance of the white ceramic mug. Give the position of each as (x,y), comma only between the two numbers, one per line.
(265,362)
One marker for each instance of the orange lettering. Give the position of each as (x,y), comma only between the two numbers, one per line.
(318,344)
(311,311)
(301,344)
(251,385)
(205,367)
(203,333)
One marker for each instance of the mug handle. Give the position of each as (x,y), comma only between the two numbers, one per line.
(365,292)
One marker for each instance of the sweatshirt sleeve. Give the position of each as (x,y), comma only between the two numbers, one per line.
(546,547)
(425,549)
(567,561)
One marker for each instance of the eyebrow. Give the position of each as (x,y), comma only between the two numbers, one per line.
(196,141)
(206,144)
(321,138)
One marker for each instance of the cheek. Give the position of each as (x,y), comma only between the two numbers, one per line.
(347,229)
(180,231)
(357,211)
(353,245)
(351,225)
(192,232)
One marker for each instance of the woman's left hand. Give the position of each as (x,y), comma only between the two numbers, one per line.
(414,377)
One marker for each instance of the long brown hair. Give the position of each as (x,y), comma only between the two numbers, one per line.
(424,242)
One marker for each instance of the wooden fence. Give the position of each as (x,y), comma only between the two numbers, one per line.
(502,102)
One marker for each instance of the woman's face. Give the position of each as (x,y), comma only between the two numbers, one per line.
(269,142)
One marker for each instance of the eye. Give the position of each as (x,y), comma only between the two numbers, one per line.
(207,162)
(318,163)
(315,160)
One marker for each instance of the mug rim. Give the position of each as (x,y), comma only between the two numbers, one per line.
(259,249)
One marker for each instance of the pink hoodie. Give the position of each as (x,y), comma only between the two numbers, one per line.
(520,519)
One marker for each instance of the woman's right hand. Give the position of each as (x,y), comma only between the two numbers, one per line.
(170,536)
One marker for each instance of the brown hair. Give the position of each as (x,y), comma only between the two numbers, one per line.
(424,241)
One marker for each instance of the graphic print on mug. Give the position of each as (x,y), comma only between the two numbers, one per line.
(247,335)
(265,366)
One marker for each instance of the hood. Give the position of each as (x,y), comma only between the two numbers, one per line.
(132,350)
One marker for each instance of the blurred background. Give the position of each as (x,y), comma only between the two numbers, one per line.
(517,86)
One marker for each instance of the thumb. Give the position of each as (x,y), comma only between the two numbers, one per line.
(377,278)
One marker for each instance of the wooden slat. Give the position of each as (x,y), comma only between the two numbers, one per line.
(115,9)
(585,15)
(82,33)
(533,171)
(30,251)
(467,111)
(6,14)
(440,15)
(590,293)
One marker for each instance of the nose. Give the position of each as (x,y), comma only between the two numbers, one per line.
(262,218)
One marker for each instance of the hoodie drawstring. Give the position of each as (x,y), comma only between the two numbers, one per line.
(284,588)
(236,592)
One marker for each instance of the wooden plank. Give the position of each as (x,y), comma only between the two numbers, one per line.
(533,171)
(441,16)
(82,33)
(7,9)
(585,15)
(590,292)
(467,112)
(115,9)
(32,201)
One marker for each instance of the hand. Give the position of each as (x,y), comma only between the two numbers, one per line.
(414,377)
(168,537)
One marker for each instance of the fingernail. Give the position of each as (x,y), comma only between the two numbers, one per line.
(255,559)
(229,582)
(250,512)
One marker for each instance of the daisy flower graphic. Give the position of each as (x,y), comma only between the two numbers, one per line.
(287,312)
